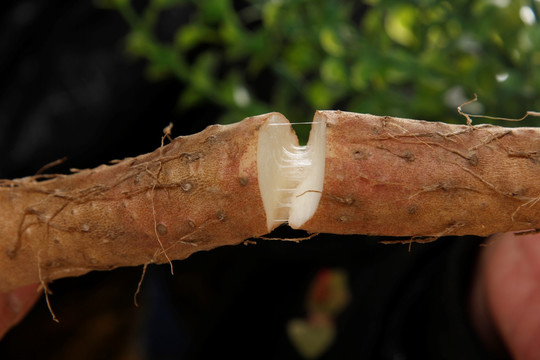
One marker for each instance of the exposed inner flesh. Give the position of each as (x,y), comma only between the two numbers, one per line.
(290,176)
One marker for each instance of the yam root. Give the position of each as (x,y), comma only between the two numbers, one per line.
(399,177)
(196,193)
(359,174)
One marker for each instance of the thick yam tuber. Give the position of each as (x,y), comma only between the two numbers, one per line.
(400,177)
(370,175)
(196,193)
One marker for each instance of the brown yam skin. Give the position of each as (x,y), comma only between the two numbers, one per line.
(196,193)
(400,177)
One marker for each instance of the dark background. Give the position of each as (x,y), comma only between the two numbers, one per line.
(69,88)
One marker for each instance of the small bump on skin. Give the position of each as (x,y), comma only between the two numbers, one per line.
(162,229)
(518,192)
(186,186)
(343,219)
(473,160)
(243,180)
(408,156)
(343,200)
(412,209)
(220,215)
(191,157)
(85,228)
(360,155)
(191,223)
(375,130)
(43,218)
(211,138)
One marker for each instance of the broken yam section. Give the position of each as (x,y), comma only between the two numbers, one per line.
(401,177)
(196,193)
(358,174)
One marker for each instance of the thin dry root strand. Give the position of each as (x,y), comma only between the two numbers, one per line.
(50,165)
(139,285)
(156,232)
(410,241)
(296,240)
(46,293)
(469,116)
(167,132)
(527,232)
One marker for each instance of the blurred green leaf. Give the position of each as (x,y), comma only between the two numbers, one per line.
(190,98)
(334,72)
(399,24)
(213,11)
(164,4)
(320,96)
(191,35)
(330,42)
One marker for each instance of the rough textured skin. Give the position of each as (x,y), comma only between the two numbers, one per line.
(383,176)
(196,193)
(400,177)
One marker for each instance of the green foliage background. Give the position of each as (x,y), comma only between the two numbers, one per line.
(418,59)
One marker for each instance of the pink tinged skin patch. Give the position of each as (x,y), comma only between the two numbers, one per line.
(15,304)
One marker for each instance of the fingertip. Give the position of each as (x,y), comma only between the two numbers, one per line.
(15,304)
(511,268)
